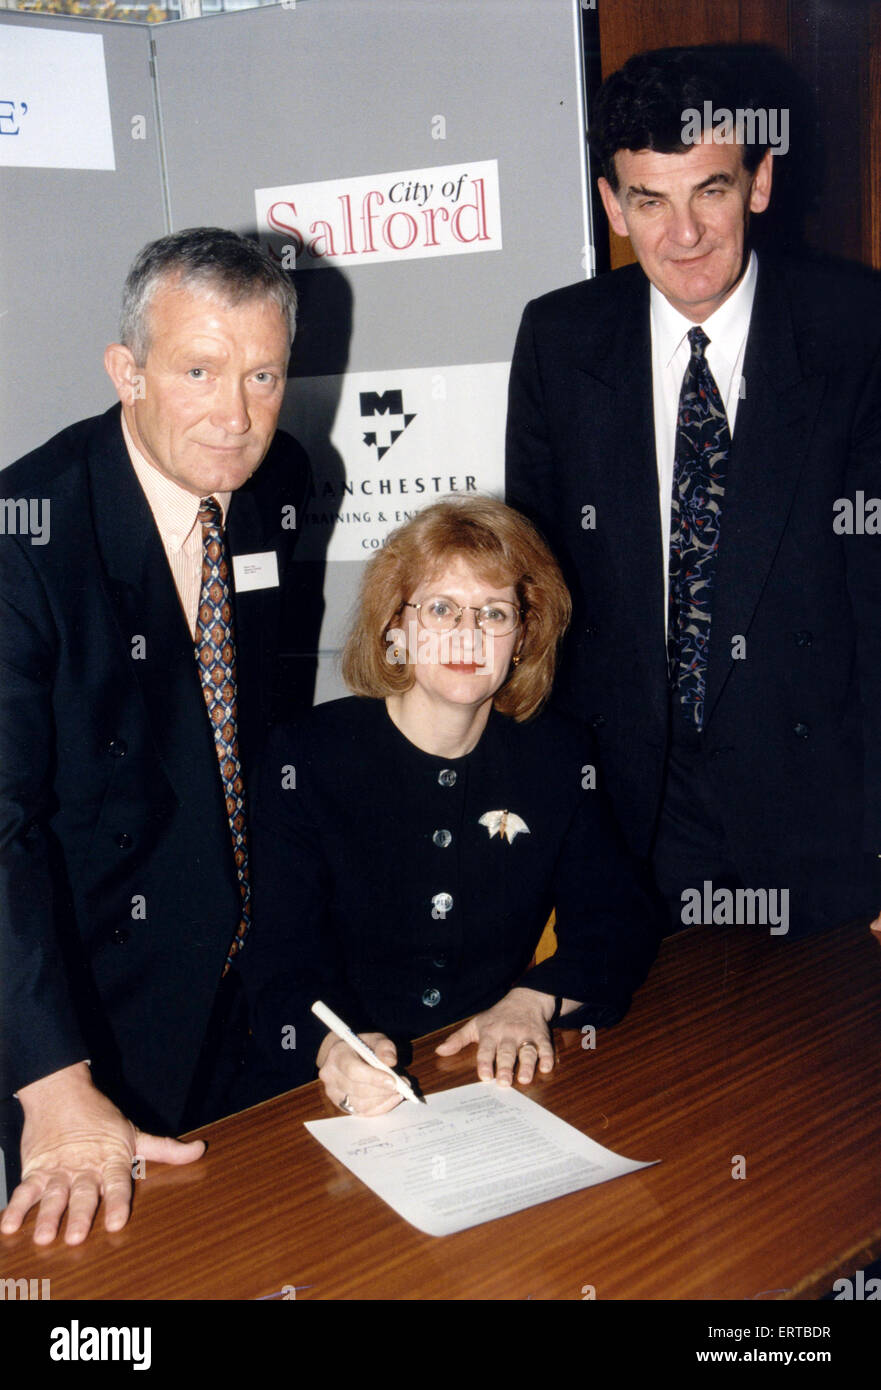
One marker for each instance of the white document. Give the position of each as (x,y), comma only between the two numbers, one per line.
(471,1155)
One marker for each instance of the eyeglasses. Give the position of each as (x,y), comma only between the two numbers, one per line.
(441,614)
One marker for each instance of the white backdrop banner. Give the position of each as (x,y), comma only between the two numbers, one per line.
(401,216)
(54,107)
(399,441)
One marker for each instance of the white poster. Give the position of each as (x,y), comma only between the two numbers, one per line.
(400,216)
(398,441)
(54,106)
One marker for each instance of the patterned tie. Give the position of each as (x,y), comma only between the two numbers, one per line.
(216,659)
(703,442)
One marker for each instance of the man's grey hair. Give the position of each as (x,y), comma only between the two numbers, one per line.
(201,259)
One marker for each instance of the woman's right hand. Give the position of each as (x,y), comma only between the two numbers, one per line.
(365,1089)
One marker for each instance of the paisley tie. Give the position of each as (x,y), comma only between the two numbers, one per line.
(216,660)
(703,443)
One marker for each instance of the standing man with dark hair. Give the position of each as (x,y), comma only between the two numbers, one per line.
(140,639)
(690,433)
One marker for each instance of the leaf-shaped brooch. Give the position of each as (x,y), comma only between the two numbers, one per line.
(505,824)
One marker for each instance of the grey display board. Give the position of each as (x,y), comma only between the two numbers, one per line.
(305,93)
(67,237)
(332,89)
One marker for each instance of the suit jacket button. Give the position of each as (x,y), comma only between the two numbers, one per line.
(442,902)
(117,748)
(803,639)
(802,730)
(441,962)
(430,997)
(597,721)
(447,777)
(119,936)
(124,840)
(442,838)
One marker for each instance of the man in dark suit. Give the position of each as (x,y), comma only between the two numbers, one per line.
(141,629)
(682,431)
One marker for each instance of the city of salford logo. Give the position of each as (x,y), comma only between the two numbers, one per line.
(390,403)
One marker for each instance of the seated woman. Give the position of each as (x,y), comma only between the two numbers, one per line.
(409,844)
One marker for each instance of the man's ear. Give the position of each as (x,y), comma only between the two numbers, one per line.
(120,365)
(612,206)
(760,191)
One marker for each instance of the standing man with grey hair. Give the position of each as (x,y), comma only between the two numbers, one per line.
(140,650)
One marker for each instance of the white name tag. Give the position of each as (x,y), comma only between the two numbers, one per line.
(255,571)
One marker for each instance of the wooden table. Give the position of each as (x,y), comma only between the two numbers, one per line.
(741,1054)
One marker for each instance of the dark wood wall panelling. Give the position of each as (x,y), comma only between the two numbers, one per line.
(832,181)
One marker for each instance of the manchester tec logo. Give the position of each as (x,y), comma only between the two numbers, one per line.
(391,404)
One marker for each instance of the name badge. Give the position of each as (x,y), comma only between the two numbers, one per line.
(255,571)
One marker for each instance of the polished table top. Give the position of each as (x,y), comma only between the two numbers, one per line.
(748,1064)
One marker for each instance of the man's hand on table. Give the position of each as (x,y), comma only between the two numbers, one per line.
(76,1148)
(513,1032)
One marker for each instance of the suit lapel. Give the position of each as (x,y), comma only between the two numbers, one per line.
(771,436)
(621,427)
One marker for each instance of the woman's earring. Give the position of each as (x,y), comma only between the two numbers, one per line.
(515,660)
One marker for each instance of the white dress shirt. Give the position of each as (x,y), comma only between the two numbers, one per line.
(727,330)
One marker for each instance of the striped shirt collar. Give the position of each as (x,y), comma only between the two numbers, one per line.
(175,510)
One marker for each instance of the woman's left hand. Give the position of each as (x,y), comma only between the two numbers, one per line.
(512,1033)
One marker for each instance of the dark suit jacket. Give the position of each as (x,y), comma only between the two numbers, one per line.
(347,867)
(118,896)
(793,729)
